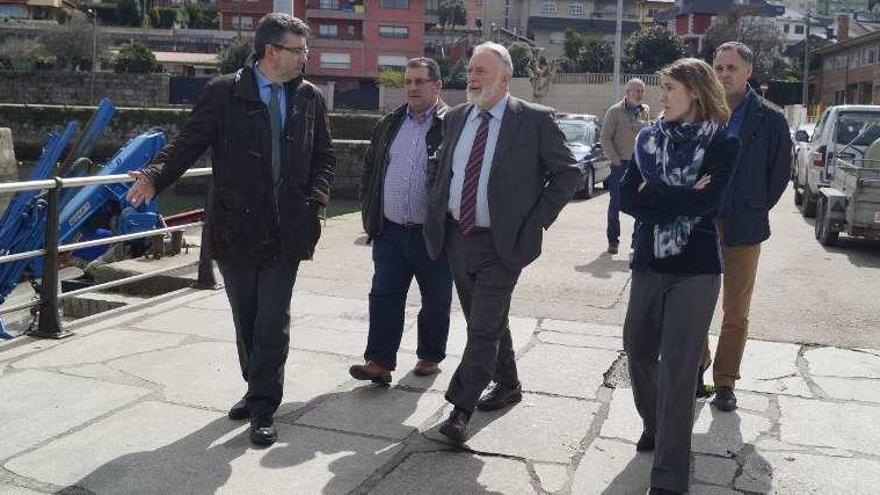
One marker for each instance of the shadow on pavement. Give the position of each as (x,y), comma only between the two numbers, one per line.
(603,266)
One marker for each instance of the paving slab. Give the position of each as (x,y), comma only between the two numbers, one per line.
(7,489)
(214,325)
(554,428)
(769,367)
(448,472)
(845,426)
(832,361)
(623,420)
(207,374)
(552,477)
(100,347)
(28,419)
(583,327)
(305,303)
(325,340)
(105,373)
(359,324)
(438,383)
(576,340)
(612,468)
(714,470)
(521,331)
(711,490)
(798,472)
(850,388)
(726,433)
(565,371)
(183,450)
(375,410)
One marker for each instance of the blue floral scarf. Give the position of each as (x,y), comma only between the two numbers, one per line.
(672,153)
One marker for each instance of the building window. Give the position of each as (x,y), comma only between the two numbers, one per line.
(478,2)
(652,13)
(392,62)
(785,28)
(328,4)
(394,31)
(799,29)
(246,22)
(328,31)
(557,38)
(576,8)
(548,8)
(331,60)
(394,4)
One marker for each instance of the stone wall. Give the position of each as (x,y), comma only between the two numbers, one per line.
(8,171)
(84,88)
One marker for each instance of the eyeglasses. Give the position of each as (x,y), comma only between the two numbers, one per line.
(301,51)
(415,82)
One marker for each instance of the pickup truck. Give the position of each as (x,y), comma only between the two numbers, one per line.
(842,132)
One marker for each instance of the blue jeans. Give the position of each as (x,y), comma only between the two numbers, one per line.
(399,254)
(613,230)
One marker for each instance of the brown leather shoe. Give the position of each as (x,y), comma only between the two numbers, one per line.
(426,368)
(372,371)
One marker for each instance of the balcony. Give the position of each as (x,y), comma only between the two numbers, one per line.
(335,9)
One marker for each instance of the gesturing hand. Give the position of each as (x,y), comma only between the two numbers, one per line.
(142,191)
(703,182)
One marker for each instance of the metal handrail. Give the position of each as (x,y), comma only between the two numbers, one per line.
(49,320)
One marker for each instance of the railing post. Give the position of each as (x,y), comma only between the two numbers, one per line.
(207,279)
(49,325)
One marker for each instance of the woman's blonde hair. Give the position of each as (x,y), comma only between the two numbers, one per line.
(698,77)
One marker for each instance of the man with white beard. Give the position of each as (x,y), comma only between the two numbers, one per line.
(498,180)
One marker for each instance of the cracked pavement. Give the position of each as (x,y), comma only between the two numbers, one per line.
(135,402)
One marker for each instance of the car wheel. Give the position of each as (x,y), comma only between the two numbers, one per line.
(808,205)
(589,187)
(824,234)
(606,185)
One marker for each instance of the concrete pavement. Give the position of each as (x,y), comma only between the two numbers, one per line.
(136,401)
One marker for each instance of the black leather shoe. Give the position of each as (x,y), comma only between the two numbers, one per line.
(239,411)
(263,430)
(455,427)
(725,399)
(500,396)
(645,443)
(613,247)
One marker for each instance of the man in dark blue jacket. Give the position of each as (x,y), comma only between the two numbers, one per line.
(761,174)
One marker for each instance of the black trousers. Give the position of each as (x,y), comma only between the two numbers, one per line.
(260,301)
(667,321)
(484,286)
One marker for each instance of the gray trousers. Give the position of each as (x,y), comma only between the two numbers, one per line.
(667,320)
(260,301)
(484,286)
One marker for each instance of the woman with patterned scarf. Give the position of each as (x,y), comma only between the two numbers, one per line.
(683,162)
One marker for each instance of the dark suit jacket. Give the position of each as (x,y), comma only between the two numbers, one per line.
(763,169)
(533,176)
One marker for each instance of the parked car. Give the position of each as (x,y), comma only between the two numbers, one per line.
(842,132)
(582,137)
(799,136)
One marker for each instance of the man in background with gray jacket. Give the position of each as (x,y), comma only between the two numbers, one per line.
(619,129)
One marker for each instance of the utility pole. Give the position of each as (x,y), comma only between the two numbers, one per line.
(806,86)
(618,37)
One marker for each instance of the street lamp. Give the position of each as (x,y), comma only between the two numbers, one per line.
(94,16)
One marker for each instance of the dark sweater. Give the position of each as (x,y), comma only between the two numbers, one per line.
(659,204)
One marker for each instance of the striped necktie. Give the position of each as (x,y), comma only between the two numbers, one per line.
(468,212)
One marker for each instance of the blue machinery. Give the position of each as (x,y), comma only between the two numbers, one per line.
(23,224)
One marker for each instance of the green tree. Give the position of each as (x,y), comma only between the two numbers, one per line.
(390,78)
(233,55)
(200,17)
(71,44)
(128,13)
(574,43)
(452,13)
(135,58)
(520,54)
(21,54)
(596,56)
(759,33)
(454,74)
(650,50)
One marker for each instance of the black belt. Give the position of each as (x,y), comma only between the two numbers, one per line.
(405,226)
